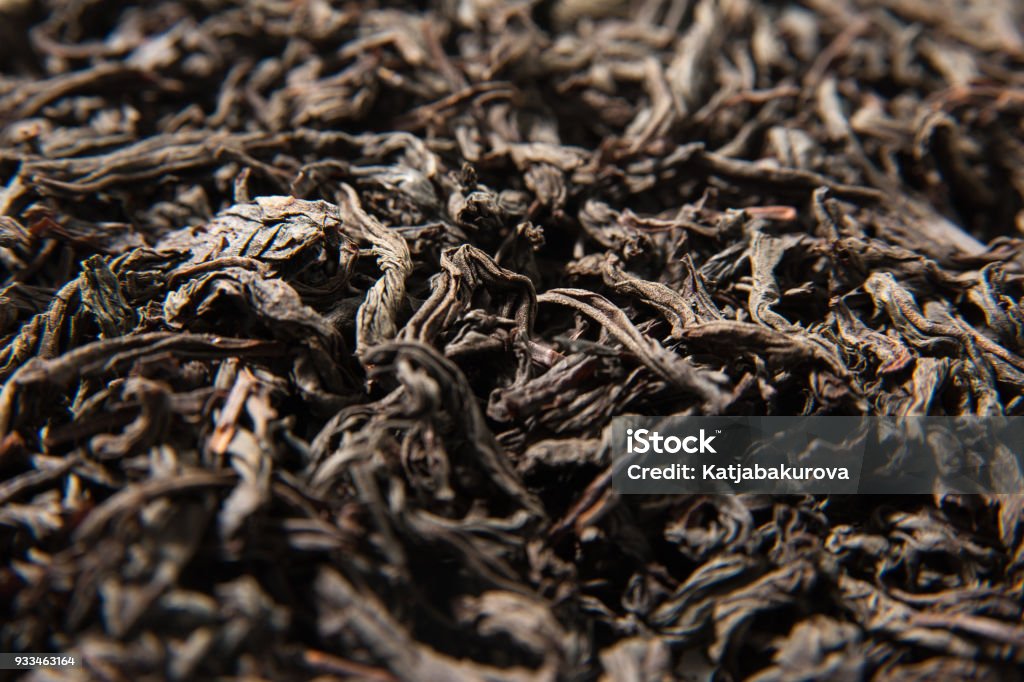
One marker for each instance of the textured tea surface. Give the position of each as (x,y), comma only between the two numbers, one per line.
(313,318)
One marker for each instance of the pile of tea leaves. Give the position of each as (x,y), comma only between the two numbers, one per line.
(314,317)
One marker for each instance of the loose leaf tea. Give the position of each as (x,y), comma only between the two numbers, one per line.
(314,318)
